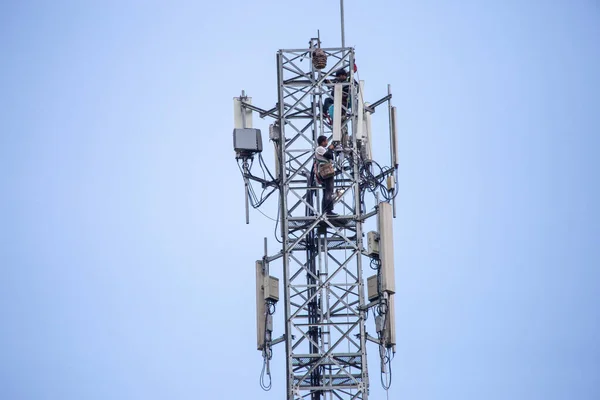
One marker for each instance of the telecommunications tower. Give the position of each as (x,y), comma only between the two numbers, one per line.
(320,264)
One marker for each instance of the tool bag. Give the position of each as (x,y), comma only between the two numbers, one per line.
(326,170)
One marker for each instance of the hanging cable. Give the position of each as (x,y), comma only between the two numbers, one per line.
(385,354)
(277,222)
(266,371)
(265,215)
(386,377)
(266,368)
(255,202)
(267,351)
(264,165)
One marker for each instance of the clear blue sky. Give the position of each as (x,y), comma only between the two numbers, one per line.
(126,269)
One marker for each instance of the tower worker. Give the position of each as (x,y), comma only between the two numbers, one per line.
(328,110)
(325,173)
(341,76)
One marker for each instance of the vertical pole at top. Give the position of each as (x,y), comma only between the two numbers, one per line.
(342,20)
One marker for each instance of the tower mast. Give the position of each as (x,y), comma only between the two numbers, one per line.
(321,258)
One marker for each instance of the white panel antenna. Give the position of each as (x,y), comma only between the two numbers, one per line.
(277,163)
(261,312)
(337,112)
(360,129)
(394,142)
(386,247)
(275,136)
(242,117)
(390,324)
(368,152)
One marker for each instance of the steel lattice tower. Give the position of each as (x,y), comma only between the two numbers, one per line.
(322,282)
(322,257)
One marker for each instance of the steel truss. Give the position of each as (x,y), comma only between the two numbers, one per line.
(322,257)
(324,301)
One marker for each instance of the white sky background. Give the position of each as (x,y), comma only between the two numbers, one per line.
(127,269)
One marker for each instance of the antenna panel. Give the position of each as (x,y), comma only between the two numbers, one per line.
(386,247)
(277,166)
(337,112)
(242,117)
(394,143)
(368,155)
(360,129)
(260,306)
(390,324)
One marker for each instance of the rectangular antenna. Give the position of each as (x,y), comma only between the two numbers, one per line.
(394,141)
(337,112)
(386,247)
(360,111)
(368,155)
(277,163)
(242,117)
(260,306)
(390,324)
